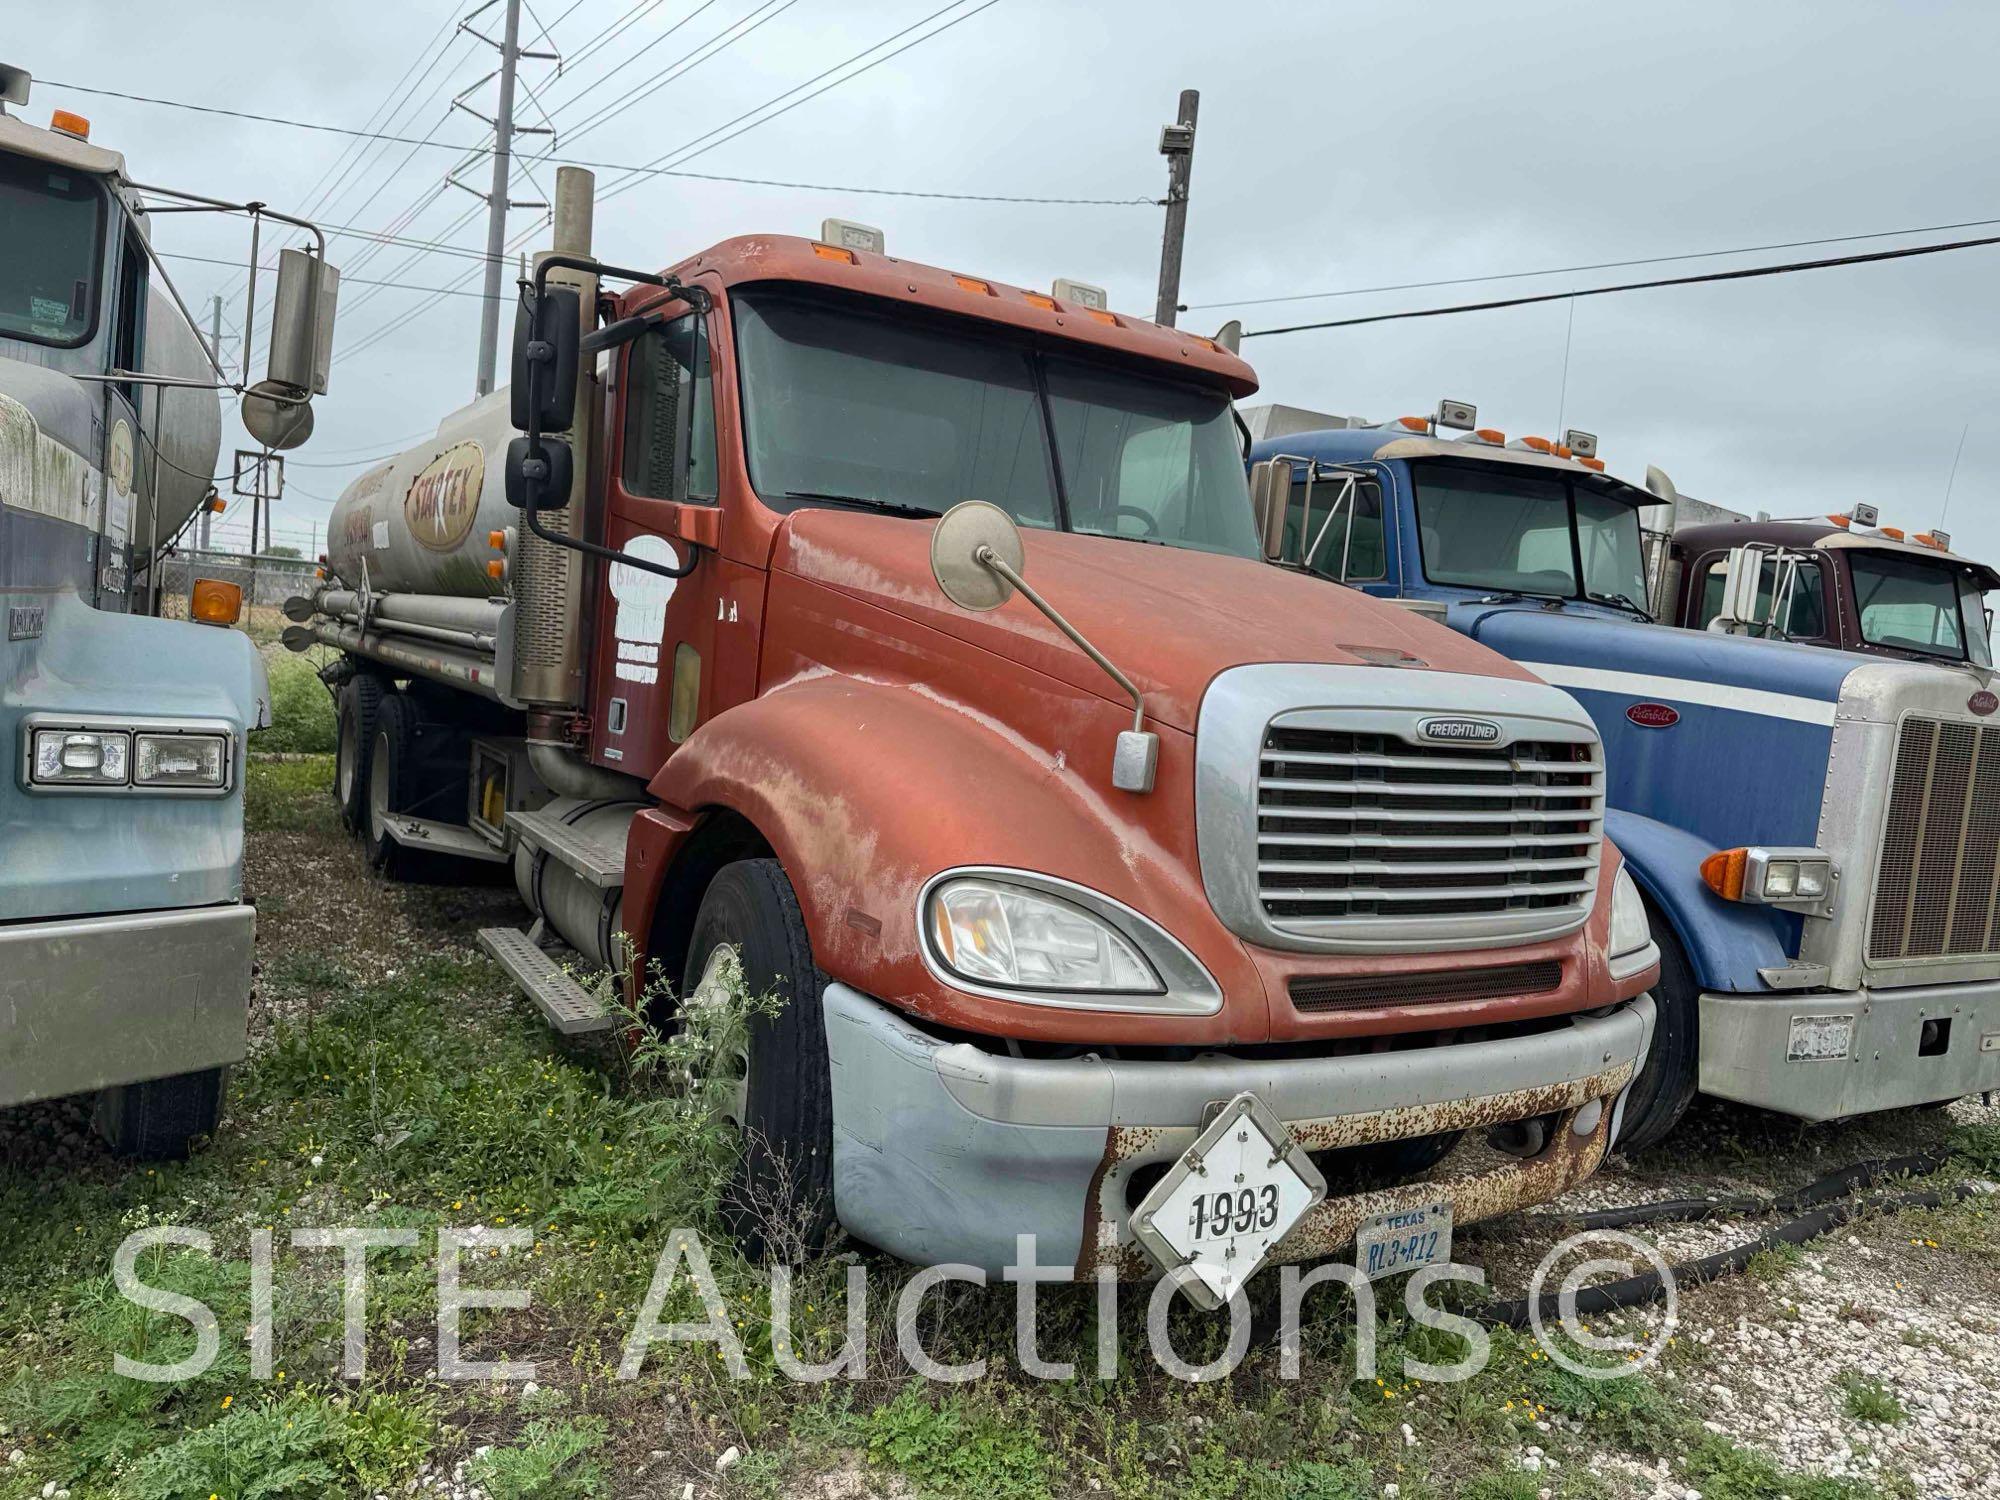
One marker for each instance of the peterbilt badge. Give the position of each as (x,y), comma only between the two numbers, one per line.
(1983,702)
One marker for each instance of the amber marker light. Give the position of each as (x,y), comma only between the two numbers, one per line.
(214,602)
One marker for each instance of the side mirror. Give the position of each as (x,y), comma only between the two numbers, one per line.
(1742,576)
(976,558)
(539,478)
(968,538)
(1270,498)
(302,322)
(548,331)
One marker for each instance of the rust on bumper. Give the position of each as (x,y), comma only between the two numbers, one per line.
(1329,1227)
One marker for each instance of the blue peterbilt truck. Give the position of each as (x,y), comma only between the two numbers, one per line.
(125,941)
(1816,832)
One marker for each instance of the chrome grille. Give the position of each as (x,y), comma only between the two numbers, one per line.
(1937,884)
(1379,827)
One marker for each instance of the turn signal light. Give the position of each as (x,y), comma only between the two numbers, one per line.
(497,540)
(496,569)
(1722,872)
(68,123)
(214,602)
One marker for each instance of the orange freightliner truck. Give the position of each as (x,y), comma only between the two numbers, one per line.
(1117,889)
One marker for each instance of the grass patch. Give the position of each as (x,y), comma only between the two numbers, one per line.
(301,707)
(957,1446)
(1868,1400)
(290,796)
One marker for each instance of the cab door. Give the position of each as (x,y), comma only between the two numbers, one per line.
(651,683)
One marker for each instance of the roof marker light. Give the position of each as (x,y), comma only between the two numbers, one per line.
(1036,299)
(834,252)
(1492,435)
(1416,424)
(1843,521)
(66,122)
(1595,465)
(1934,539)
(1561,452)
(1893,533)
(1098,315)
(849,235)
(974,285)
(1538,444)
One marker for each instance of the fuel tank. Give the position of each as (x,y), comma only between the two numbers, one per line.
(422,522)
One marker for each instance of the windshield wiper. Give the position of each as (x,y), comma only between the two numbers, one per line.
(1621,601)
(862,502)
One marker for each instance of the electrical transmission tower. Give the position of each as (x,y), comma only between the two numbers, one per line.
(496,199)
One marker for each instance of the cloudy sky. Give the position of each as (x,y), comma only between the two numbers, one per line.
(1342,146)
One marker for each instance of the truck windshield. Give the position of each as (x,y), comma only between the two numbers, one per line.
(1908,605)
(842,405)
(49,253)
(1521,533)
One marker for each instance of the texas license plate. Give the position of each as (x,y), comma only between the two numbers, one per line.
(1820,1038)
(1228,1200)
(1390,1244)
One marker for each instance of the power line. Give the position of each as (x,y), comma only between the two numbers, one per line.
(401,286)
(1743,274)
(628,170)
(1602,265)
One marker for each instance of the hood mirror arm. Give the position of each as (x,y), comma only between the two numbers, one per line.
(1136,760)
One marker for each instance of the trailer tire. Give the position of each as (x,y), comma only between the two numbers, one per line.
(160,1118)
(359,711)
(391,787)
(779,1200)
(1665,1087)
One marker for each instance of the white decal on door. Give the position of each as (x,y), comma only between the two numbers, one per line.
(642,608)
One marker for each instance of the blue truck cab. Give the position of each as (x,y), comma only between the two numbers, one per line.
(125,941)
(1816,832)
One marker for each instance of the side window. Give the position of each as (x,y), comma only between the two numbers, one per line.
(1805,620)
(1363,548)
(669,438)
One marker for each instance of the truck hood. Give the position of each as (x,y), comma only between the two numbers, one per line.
(1170,618)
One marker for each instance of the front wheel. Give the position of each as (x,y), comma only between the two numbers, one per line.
(1665,1087)
(778,1088)
(160,1118)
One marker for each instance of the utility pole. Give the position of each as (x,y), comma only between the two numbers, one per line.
(497,202)
(1177,146)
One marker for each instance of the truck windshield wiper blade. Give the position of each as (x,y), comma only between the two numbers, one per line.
(1620,601)
(862,502)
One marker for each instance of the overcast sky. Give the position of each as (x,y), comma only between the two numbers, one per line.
(1341,146)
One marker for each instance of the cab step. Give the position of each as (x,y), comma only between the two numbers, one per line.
(566,1005)
(601,865)
(454,839)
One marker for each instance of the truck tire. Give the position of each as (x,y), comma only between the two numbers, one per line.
(779,1202)
(359,711)
(160,1118)
(1665,1087)
(391,788)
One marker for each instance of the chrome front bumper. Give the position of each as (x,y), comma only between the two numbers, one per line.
(1911,1046)
(943,1151)
(88,1002)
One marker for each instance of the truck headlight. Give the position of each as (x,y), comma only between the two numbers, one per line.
(1797,878)
(192,760)
(1035,939)
(1003,935)
(81,757)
